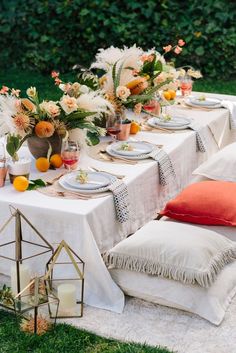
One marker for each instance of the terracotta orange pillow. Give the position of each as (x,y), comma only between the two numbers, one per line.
(207,202)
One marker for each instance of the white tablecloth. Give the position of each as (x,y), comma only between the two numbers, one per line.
(90,227)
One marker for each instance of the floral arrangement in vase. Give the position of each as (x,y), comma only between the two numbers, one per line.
(136,79)
(49,121)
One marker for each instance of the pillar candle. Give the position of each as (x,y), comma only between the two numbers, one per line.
(67,296)
(24,278)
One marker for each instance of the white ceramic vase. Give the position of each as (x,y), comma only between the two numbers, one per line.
(20,167)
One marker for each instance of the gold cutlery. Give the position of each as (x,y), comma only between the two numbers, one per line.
(103,154)
(149,128)
(118,176)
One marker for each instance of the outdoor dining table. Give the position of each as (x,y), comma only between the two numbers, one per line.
(90,227)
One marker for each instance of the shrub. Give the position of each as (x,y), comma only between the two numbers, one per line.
(49,34)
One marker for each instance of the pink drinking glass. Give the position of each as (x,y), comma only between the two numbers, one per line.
(186,86)
(153,106)
(70,155)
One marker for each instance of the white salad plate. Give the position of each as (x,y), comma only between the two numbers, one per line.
(211,103)
(137,148)
(206,102)
(93,188)
(176,123)
(138,157)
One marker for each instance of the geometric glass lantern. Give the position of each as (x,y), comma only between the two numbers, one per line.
(65,277)
(31,306)
(22,252)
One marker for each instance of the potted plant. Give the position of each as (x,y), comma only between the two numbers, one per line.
(17,166)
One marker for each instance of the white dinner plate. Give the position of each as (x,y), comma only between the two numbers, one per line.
(66,186)
(138,148)
(95,180)
(176,123)
(208,102)
(215,106)
(138,157)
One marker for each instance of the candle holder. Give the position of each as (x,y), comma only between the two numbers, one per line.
(70,287)
(20,273)
(31,306)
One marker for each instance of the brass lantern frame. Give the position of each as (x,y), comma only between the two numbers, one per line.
(75,261)
(18,259)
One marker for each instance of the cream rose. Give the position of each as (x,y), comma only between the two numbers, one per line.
(160,78)
(68,104)
(194,73)
(122,92)
(50,108)
(31,92)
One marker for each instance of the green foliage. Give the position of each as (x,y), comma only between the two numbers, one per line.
(64,339)
(56,34)
(14,143)
(36,184)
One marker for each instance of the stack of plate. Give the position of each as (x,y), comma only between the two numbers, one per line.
(176,123)
(139,150)
(211,103)
(97,182)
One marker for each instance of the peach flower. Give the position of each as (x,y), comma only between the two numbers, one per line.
(4,90)
(167,48)
(138,108)
(54,74)
(50,108)
(68,104)
(122,92)
(181,42)
(177,50)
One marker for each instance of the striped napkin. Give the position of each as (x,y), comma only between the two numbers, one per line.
(166,170)
(200,141)
(121,200)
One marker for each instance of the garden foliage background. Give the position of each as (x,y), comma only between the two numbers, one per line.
(56,34)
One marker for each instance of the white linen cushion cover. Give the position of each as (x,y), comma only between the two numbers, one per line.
(173,250)
(209,303)
(220,166)
(228,232)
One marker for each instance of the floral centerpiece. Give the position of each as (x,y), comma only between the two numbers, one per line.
(49,121)
(134,78)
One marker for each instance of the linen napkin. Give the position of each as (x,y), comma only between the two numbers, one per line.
(121,200)
(231,106)
(200,143)
(166,169)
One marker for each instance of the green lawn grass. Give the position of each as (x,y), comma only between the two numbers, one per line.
(23,79)
(63,339)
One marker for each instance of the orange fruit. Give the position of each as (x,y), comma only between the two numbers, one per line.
(44,129)
(21,183)
(172,94)
(56,161)
(167,95)
(138,85)
(42,164)
(134,127)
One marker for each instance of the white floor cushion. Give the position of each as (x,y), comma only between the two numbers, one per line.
(209,303)
(228,232)
(174,250)
(221,166)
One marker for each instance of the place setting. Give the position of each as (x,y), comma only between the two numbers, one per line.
(91,184)
(202,102)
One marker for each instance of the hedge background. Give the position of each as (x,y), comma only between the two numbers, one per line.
(56,34)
